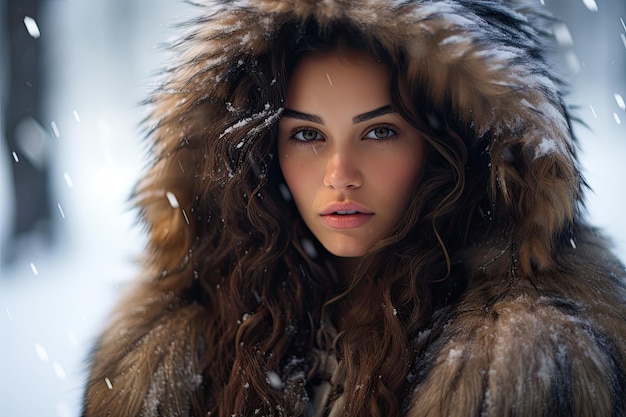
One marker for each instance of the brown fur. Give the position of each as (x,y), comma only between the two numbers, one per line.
(519,311)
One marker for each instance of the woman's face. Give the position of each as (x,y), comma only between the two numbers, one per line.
(349,160)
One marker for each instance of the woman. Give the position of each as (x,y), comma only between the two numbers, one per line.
(365,208)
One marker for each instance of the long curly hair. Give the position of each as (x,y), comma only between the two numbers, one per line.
(268,285)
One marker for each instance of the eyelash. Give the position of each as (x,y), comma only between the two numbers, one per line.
(392,133)
(301,130)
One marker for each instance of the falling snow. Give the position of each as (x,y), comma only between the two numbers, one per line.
(309,248)
(31,27)
(591,5)
(61,210)
(284,192)
(563,35)
(55,129)
(172,199)
(41,352)
(68,180)
(58,370)
(274,380)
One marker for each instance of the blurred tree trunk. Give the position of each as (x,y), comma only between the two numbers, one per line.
(27,141)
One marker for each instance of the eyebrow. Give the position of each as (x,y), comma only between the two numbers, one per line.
(294,114)
(372,114)
(360,118)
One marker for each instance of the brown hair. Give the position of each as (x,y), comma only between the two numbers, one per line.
(266,282)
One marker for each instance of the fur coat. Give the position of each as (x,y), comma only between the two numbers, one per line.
(540,328)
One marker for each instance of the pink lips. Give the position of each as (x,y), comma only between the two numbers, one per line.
(345,216)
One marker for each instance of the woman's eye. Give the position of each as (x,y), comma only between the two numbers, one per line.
(307,135)
(380,133)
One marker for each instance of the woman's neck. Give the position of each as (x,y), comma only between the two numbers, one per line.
(345,268)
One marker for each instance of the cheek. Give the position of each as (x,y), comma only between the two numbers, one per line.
(292,173)
(406,164)
(399,179)
(286,166)
(284,163)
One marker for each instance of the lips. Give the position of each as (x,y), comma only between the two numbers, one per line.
(345,208)
(345,216)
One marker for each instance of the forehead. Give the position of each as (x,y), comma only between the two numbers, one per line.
(338,77)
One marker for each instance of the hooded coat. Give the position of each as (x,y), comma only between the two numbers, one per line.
(539,325)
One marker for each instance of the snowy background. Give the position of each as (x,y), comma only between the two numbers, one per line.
(101,57)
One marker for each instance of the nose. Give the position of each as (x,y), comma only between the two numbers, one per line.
(342,171)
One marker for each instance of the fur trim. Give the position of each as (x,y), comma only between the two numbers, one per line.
(542,320)
(516,348)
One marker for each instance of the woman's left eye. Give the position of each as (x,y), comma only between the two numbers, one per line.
(380,133)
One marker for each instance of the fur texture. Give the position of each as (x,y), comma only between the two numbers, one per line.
(539,325)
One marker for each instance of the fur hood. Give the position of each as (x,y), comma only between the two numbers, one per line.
(542,318)
(482,58)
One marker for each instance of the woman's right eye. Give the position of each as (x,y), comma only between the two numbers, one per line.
(306,135)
